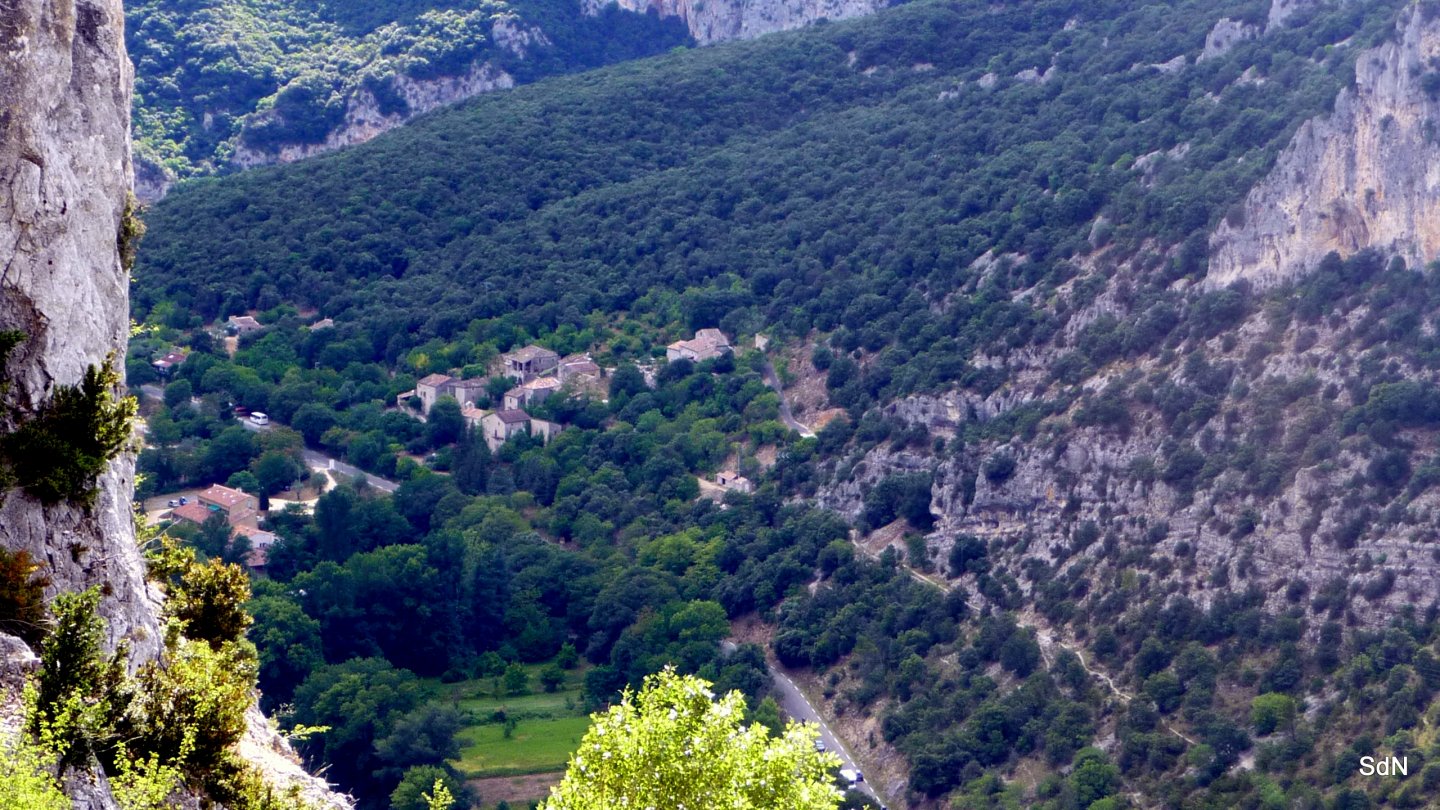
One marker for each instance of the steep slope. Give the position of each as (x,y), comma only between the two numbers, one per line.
(66,166)
(65,222)
(1198,512)
(229,84)
(711,22)
(1364,176)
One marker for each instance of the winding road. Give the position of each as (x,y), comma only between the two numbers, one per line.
(786,415)
(797,707)
(314,459)
(319,461)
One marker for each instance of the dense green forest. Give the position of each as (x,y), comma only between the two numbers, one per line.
(218,75)
(802,192)
(902,198)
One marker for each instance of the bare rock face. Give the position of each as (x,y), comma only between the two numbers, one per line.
(65,182)
(1226,34)
(365,120)
(1367,175)
(723,20)
(65,167)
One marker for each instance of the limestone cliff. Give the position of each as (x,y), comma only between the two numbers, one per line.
(364,119)
(1220,539)
(1367,175)
(65,178)
(723,20)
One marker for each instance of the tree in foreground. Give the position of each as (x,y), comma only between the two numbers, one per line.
(675,745)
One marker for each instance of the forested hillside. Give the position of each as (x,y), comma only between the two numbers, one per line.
(1097,530)
(225,83)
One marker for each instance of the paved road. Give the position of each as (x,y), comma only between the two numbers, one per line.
(773,380)
(319,461)
(313,459)
(797,706)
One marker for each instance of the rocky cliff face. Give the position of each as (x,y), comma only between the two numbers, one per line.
(1368,175)
(723,20)
(65,166)
(364,118)
(1078,475)
(65,179)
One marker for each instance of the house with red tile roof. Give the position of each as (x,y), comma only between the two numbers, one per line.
(192,512)
(238,506)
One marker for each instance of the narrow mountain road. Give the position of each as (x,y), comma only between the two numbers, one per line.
(798,707)
(773,380)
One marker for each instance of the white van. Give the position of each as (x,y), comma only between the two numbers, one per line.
(259,418)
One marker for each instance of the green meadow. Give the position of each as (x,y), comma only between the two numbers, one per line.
(511,734)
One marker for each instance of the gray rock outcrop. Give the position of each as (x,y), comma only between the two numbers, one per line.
(1226,34)
(364,118)
(1367,175)
(712,21)
(65,167)
(65,182)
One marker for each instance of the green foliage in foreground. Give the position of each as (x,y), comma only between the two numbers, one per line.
(674,745)
(56,453)
(26,779)
(169,729)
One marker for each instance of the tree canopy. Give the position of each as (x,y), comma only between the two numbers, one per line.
(674,744)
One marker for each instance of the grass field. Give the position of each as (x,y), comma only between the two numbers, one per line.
(535,746)
(548,725)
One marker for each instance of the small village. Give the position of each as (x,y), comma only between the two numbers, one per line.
(538,373)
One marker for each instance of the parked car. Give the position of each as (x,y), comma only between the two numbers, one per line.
(184,500)
(171,503)
(259,418)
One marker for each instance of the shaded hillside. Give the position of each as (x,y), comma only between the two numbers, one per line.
(806,180)
(227,83)
(1169,534)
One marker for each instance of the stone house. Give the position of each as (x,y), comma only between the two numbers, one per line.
(528,363)
(243,324)
(526,394)
(706,345)
(544,430)
(578,368)
(473,416)
(501,425)
(432,387)
(729,479)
